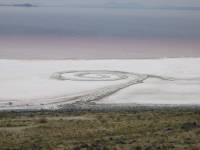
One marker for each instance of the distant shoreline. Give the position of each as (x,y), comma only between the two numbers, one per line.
(18,5)
(110,108)
(137,58)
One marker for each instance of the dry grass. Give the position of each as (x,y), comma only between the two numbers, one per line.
(166,129)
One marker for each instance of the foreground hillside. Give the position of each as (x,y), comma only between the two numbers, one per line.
(150,129)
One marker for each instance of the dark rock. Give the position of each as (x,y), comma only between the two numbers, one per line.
(168,129)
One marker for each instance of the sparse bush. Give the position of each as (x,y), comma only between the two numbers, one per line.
(42,120)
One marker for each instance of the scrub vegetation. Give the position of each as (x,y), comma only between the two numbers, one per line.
(138,129)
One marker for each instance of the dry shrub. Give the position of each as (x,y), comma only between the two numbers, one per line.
(42,120)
